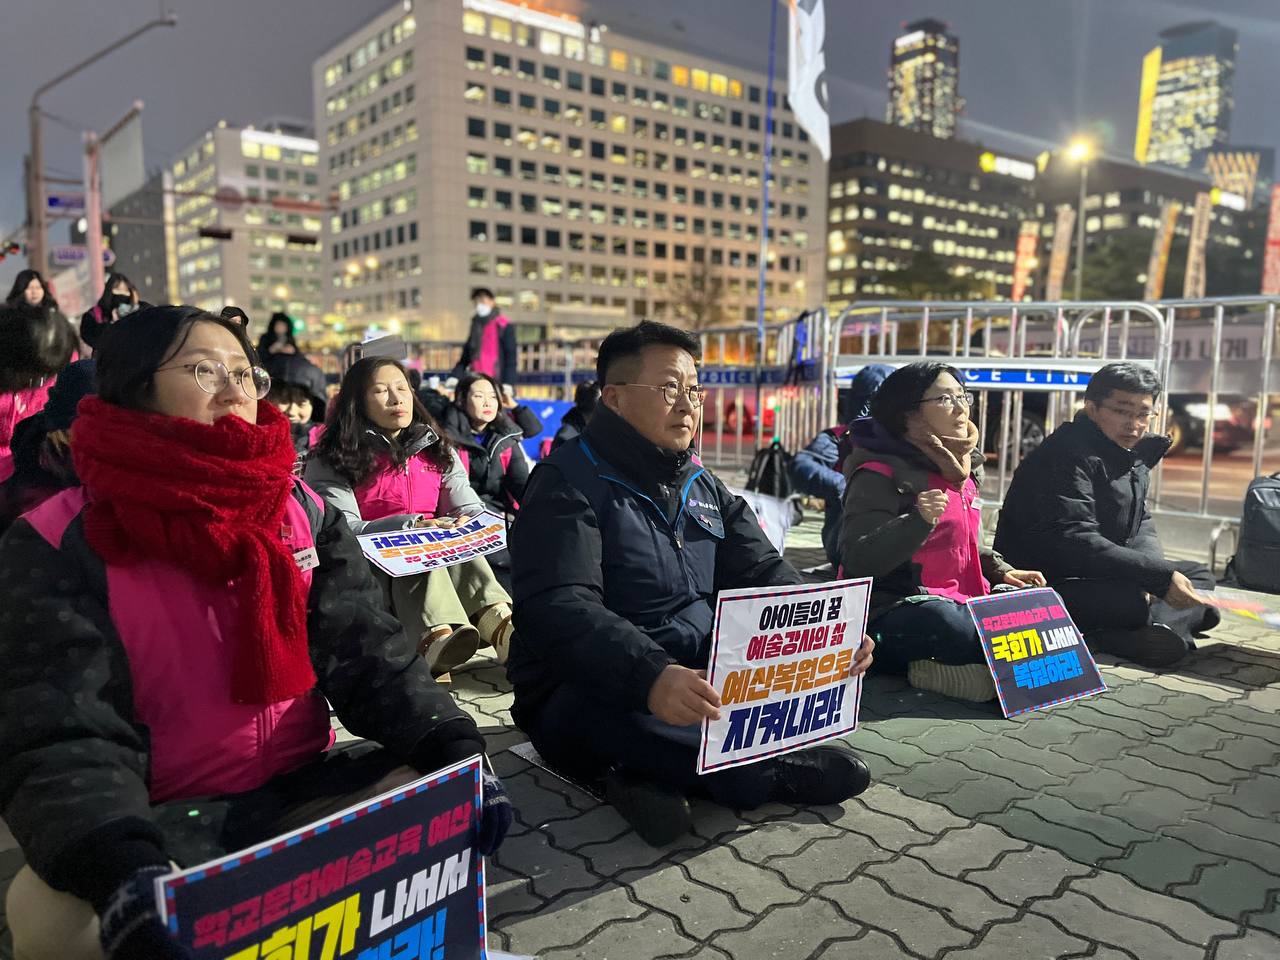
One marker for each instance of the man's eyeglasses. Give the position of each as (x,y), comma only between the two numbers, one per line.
(949,401)
(672,392)
(213,376)
(1133,416)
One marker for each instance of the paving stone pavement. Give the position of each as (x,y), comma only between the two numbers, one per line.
(1143,823)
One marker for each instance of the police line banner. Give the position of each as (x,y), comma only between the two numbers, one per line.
(1036,655)
(421,549)
(781,659)
(395,877)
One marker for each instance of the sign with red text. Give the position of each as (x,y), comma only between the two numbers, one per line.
(782,662)
(406,552)
(1036,655)
(395,877)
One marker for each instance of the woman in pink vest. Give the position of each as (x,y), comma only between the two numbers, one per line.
(35,344)
(913,521)
(171,633)
(385,464)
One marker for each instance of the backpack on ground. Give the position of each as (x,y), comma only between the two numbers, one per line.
(770,471)
(1256,565)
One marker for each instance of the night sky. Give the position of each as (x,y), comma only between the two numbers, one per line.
(1033,71)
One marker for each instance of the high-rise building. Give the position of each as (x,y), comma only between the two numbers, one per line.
(247,217)
(924,79)
(1245,171)
(140,232)
(588,178)
(898,198)
(1186,97)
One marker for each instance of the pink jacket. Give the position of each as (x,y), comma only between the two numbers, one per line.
(950,560)
(15,407)
(202,742)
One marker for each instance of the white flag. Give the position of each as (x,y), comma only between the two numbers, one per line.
(807,72)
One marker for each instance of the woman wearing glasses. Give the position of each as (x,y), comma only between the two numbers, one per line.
(170,634)
(913,521)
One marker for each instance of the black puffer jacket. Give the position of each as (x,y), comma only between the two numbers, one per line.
(499,479)
(1077,508)
(616,559)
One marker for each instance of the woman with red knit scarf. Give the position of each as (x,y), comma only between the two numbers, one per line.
(172,631)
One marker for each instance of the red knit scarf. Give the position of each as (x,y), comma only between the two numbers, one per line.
(211,500)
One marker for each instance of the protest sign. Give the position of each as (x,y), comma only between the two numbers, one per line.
(774,515)
(397,876)
(1034,651)
(421,549)
(781,659)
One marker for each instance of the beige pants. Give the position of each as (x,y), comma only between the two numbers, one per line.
(451,596)
(48,924)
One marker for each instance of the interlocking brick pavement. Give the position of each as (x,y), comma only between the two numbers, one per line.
(1143,823)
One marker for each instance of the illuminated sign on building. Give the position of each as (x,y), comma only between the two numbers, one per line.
(1006,166)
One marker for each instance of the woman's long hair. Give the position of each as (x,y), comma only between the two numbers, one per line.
(460,401)
(35,344)
(349,444)
(20,284)
(901,391)
(107,300)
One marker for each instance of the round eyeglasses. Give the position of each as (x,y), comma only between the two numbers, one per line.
(672,392)
(950,401)
(212,376)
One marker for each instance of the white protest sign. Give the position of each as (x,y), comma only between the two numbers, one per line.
(781,659)
(773,513)
(421,549)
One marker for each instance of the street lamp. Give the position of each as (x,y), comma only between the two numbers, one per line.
(1080,151)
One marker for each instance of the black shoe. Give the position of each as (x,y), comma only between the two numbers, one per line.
(1152,646)
(820,776)
(1210,620)
(658,813)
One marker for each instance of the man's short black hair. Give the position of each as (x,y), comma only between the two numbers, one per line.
(629,343)
(1124,376)
(482,292)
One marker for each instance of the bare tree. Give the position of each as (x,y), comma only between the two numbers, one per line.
(698,302)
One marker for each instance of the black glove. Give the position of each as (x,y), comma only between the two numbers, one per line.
(129,924)
(496,815)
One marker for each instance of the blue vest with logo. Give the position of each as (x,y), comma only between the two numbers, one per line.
(658,573)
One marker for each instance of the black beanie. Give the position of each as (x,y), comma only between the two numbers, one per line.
(74,383)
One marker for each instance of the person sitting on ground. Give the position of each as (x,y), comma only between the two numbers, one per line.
(42,463)
(387,465)
(616,577)
(585,398)
(35,345)
(817,469)
(278,337)
(1077,509)
(298,391)
(487,428)
(119,299)
(913,521)
(172,631)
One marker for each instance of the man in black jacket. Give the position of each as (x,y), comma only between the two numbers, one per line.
(622,542)
(1076,510)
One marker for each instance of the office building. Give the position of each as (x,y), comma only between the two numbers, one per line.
(247,218)
(587,177)
(924,79)
(140,232)
(1187,95)
(895,194)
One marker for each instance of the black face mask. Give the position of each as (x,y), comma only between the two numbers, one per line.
(122,304)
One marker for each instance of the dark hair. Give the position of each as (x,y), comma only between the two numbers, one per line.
(629,342)
(131,351)
(20,284)
(901,391)
(288,394)
(105,302)
(1125,376)
(347,442)
(269,335)
(35,344)
(236,314)
(415,379)
(586,396)
(481,292)
(464,387)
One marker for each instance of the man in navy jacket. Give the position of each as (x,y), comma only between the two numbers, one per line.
(622,542)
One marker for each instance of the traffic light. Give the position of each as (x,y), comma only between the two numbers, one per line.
(10,250)
(215,233)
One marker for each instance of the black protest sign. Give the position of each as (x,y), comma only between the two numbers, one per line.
(396,878)
(1036,655)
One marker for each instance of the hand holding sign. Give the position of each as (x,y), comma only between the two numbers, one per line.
(932,504)
(681,696)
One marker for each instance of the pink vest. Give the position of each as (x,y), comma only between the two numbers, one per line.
(14,408)
(176,634)
(950,561)
(488,360)
(389,492)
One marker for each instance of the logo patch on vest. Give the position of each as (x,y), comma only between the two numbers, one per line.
(703,505)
